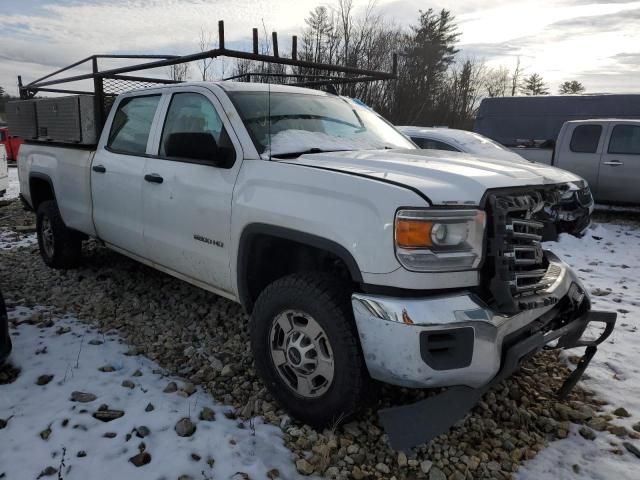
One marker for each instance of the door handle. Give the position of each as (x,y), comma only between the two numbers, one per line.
(99,168)
(614,163)
(153,178)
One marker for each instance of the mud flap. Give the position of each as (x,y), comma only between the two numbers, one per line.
(410,425)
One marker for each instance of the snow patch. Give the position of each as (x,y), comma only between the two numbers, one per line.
(291,141)
(73,352)
(607,260)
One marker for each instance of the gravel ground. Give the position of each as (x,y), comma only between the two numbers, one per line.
(204,339)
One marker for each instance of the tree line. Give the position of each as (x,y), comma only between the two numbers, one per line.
(436,83)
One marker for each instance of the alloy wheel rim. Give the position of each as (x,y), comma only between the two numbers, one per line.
(301,353)
(47,236)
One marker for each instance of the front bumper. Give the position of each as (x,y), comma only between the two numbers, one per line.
(456,341)
(450,339)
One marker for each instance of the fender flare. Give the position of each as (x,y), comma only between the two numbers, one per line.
(311,240)
(47,179)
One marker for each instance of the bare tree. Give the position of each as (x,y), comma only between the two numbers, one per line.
(516,78)
(179,72)
(496,82)
(204,65)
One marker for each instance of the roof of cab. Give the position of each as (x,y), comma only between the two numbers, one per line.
(230,86)
(606,120)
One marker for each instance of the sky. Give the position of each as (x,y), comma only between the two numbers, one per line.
(595,42)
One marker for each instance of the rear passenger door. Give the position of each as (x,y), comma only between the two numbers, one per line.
(117,173)
(581,154)
(620,166)
(188,188)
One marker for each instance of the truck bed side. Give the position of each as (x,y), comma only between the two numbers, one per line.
(63,172)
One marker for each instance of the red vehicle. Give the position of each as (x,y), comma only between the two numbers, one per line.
(11,143)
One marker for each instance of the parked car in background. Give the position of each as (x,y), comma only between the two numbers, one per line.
(4,172)
(5,339)
(11,144)
(606,153)
(450,139)
(530,125)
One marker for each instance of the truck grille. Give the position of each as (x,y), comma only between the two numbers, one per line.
(515,260)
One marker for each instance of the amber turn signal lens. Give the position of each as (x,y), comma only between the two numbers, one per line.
(413,233)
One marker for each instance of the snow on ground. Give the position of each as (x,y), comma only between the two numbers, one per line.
(608,261)
(73,353)
(581,459)
(14,185)
(10,239)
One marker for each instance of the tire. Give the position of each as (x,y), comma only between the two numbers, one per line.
(295,300)
(60,247)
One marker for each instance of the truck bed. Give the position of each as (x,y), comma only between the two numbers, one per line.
(66,167)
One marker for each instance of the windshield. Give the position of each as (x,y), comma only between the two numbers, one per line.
(479,143)
(302,123)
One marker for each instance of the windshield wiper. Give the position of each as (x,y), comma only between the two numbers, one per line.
(304,152)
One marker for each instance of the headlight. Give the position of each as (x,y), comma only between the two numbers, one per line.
(433,240)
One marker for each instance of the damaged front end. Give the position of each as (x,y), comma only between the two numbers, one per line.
(563,208)
(469,341)
(437,414)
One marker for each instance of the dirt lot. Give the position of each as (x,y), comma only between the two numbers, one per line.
(202,338)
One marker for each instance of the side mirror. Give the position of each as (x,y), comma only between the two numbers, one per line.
(196,146)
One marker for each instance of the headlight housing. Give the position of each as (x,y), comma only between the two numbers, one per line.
(439,240)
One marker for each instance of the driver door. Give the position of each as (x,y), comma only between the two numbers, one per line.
(187,189)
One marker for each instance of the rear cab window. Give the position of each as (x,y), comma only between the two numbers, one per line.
(193,131)
(132,124)
(625,140)
(585,138)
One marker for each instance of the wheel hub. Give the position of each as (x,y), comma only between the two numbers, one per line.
(47,236)
(301,353)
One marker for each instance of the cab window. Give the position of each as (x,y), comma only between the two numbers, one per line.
(585,138)
(193,131)
(131,125)
(625,140)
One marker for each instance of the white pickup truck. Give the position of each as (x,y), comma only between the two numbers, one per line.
(358,255)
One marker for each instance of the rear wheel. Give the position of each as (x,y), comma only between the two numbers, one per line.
(306,348)
(60,247)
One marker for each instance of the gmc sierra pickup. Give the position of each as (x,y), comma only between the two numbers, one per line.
(357,255)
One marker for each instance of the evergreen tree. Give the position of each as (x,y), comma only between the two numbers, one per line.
(429,51)
(572,87)
(534,85)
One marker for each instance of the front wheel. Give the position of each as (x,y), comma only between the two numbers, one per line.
(60,247)
(306,348)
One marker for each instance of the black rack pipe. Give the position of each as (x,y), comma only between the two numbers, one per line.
(142,79)
(274,36)
(220,53)
(221,35)
(119,56)
(255,41)
(63,90)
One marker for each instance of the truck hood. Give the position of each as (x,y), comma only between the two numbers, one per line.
(443,177)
